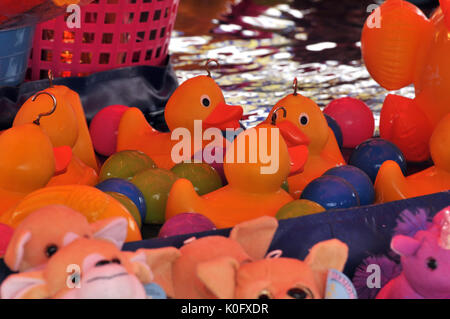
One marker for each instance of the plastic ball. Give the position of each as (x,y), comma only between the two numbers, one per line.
(155,184)
(129,205)
(354,118)
(6,233)
(104,129)
(336,129)
(128,189)
(358,179)
(299,207)
(331,192)
(213,156)
(125,165)
(203,177)
(186,223)
(371,154)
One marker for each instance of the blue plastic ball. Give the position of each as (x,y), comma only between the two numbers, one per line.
(358,179)
(126,188)
(331,192)
(336,129)
(372,153)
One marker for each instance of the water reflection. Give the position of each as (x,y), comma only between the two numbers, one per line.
(262,49)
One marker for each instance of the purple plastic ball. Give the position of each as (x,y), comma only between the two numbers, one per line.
(185,223)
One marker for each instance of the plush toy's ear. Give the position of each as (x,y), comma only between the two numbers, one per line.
(219,276)
(329,254)
(255,235)
(160,261)
(113,229)
(140,267)
(16,249)
(404,245)
(26,285)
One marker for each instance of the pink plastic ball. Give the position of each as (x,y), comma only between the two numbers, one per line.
(186,223)
(6,233)
(354,118)
(104,128)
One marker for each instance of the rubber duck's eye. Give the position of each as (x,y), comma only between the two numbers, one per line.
(432,263)
(297,293)
(50,250)
(265,294)
(303,119)
(205,100)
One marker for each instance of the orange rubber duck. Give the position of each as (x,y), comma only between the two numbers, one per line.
(391,185)
(401,46)
(27,162)
(324,152)
(199,98)
(254,180)
(59,113)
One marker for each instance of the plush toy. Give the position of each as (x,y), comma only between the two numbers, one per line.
(247,241)
(418,266)
(324,152)
(94,204)
(425,260)
(84,269)
(254,186)
(391,184)
(401,46)
(59,113)
(42,233)
(277,278)
(199,98)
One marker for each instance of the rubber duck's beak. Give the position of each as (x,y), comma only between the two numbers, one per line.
(224,116)
(63,156)
(297,143)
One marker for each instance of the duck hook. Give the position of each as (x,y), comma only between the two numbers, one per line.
(207,65)
(275,116)
(38,120)
(295,86)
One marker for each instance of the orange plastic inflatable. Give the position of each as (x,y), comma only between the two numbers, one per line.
(254,188)
(199,98)
(94,204)
(59,113)
(324,152)
(391,185)
(401,46)
(27,163)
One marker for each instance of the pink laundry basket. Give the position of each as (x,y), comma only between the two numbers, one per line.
(113,34)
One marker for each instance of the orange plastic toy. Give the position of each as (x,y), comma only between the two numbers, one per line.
(392,185)
(324,152)
(59,113)
(401,46)
(199,98)
(27,163)
(94,204)
(254,183)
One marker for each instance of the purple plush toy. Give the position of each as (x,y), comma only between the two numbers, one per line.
(425,261)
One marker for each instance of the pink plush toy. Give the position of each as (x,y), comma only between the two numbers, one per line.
(425,260)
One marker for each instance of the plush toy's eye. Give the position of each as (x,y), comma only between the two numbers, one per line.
(298,293)
(303,119)
(102,263)
(205,100)
(50,250)
(432,263)
(265,294)
(116,261)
